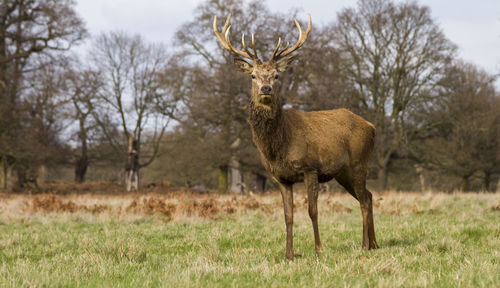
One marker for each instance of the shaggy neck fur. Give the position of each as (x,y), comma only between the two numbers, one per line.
(268,126)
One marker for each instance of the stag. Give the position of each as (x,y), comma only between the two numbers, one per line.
(297,146)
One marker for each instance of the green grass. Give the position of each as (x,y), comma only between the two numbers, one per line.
(455,246)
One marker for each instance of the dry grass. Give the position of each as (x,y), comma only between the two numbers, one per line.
(172,238)
(182,204)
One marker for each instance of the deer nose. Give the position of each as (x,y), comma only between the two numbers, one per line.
(266,89)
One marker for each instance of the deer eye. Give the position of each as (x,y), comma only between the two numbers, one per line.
(253,76)
(276,77)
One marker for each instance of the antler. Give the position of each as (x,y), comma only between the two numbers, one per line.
(278,54)
(224,40)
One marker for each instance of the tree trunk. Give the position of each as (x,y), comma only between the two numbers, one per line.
(236,177)
(420,172)
(3,173)
(260,183)
(487,181)
(21,178)
(42,175)
(383,176)
(81,166)
(132,180)
(82,162)
(132,166)
(465,184)
(223,171)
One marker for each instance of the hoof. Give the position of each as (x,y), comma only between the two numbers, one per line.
(372,246)
(290,257)
(319,250)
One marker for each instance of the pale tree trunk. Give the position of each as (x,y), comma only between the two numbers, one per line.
(383,176)
(234,168)
(132,166)
(383,163)
(420,172)
(43,174)
(236,176)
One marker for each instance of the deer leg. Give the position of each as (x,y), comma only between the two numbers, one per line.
(365,200)
(287,194)
(344,179)
(371,228)
(311,181)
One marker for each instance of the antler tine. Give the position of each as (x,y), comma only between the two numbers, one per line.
(277,47)
(301,40)
(286,47)
(253,47)
(231,48)
(224,29)
(224,40)
(253,56)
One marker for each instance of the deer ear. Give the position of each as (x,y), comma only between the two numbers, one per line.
(283,64)
(243,66)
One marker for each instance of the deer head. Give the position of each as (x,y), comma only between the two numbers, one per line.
(264,75)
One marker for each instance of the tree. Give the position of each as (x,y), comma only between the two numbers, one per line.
(40,124)
(216,101)
(132,70)
(466,140)
(28,28)
(393,55)
(82,88)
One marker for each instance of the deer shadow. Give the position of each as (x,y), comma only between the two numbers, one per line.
(398,242)
(383,243)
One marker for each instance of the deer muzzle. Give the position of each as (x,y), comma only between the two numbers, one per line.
(265,99)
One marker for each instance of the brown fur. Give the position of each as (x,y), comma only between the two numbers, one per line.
(314,147)
(310,147)
(295,142)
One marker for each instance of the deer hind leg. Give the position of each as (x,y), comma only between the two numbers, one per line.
(365,200)
(287,194)
(311,181)
(344,178)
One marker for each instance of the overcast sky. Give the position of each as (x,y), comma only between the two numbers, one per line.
(473,25)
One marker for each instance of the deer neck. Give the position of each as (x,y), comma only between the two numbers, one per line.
(268,126)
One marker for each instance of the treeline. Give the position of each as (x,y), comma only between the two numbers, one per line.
(177,114)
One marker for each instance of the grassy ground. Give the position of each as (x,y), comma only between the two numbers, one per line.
(432,240)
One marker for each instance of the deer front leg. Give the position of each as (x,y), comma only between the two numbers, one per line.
(311,181)
(287,194)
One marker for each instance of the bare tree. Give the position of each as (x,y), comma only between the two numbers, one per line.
(41,126)
(82,87)
(394,54)
(132,73)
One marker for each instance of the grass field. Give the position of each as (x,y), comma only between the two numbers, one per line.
(181,239)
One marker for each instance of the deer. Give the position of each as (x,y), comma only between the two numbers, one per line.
(296,146)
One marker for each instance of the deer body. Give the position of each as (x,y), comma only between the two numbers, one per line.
(296,142)
(310,147)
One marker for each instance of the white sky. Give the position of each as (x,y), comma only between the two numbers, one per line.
(473,25)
